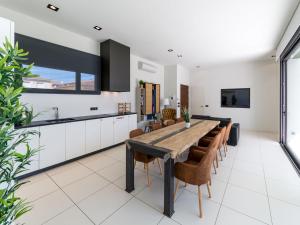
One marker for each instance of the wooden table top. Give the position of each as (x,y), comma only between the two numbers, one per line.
(176,138)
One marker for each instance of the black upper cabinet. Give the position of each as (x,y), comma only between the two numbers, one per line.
(115,67)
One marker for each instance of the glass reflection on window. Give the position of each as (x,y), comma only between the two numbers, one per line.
(48,78)
(87,82)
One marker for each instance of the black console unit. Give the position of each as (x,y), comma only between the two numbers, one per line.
(235,130)
(234,134)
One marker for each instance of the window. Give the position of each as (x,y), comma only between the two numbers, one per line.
(58,69)
(289,99)
(53,79)
(87,82)
(293,106)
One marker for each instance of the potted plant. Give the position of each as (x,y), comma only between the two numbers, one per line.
(186,117)
(141,83)
(13,113)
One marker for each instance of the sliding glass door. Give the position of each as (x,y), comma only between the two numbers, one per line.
(293,102)
(290,99)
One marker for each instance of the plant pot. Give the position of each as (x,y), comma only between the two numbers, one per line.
(187,125)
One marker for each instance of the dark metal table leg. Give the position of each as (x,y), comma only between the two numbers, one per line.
(169,188)
(129,169)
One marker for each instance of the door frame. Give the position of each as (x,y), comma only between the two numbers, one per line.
(295,40)
(188,96)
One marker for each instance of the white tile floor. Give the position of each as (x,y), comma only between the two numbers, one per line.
(255,185)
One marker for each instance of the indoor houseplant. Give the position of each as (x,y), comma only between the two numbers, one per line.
(186,117)
(141,83)
(13,113)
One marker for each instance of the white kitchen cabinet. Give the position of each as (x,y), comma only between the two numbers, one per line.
(33,142)
(53,144)
(107,132)
(92,135)
(75,139)
(120,129)
(132,122)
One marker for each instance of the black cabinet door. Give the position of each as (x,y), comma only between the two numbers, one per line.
(115,66)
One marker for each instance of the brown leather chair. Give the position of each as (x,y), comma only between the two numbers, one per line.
(205,141)
(156,126)
(168,114)
(196,170)
(169,122)
(226,135)
(143,158)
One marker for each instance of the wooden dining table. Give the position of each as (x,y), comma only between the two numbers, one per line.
(166,143)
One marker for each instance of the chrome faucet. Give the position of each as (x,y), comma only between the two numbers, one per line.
(56,113)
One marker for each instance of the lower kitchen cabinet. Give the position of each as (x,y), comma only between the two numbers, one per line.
(53,145)
(107,132)
(33,142)
(75,139)
(120,129)
(132,122)
(92,135)
(61,142)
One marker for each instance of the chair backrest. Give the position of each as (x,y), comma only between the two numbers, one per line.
(135,133)
(169,114)
(222,138)
(156,126)
(170,122)
(205,164)
(228,129)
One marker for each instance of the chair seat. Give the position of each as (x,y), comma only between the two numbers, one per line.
(141,157)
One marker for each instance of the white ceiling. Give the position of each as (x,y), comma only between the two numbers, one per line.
(205,32)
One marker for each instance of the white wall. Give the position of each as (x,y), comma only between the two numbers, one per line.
(290,31)
(175,75)
(261,77)
(76,105)
(183,77)
(170,78)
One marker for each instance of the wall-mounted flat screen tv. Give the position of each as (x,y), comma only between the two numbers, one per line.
(235,98)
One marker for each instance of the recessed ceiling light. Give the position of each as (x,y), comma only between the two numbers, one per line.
(52,7)
(170,50)
(197,67)
(97,28)
(273,56)
(179,56)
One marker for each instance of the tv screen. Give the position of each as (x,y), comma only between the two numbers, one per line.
(235,98)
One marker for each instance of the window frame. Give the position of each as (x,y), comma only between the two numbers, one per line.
(295,40)
(77,90)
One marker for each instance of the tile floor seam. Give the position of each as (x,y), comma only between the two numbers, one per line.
(239,186)
(266,186)
(57,214)
(99,169)
(254,218)
(47,193)
(285,201)
(134,195)
(146,203)
(74,204)
(92,172)
(221,203)
(106,218)
(170,219)
(270,211)
(92,193)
